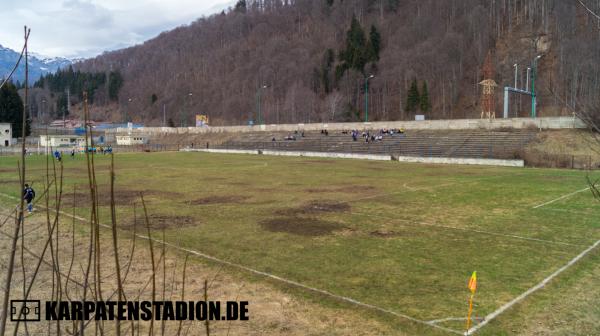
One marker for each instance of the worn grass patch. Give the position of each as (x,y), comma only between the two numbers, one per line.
(220,200)
(309,227)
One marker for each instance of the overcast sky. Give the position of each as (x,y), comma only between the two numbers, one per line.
(85,28)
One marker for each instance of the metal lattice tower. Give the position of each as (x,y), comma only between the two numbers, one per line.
(488,94)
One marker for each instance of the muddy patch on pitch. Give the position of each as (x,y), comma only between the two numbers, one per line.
(220,200)
(316,207)
(122,197)
(385,234)
(159,222)
(308,227)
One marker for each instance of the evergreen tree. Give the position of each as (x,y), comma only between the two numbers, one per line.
(329,2)
(153,98)
(170,122)
(62,106)
(240,6)
(354,56)
(374,46)
(11,110)
(393,5)
(413,98)
(424,99)
(115,81)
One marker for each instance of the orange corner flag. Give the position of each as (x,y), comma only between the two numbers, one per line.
(473,283)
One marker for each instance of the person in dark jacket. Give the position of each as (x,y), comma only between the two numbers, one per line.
(29,195)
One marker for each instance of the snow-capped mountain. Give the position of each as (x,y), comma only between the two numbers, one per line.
(38,65)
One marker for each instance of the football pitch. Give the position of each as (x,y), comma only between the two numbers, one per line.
(399,240)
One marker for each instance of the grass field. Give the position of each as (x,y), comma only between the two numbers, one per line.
(401,237)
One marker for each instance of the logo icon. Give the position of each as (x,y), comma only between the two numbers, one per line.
(25,310)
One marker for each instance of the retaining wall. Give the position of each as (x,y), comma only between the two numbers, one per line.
(222,151)
(330,155)
(463,161)
(453,124)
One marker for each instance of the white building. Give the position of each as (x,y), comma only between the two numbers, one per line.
(130,140)
(62,141)
(5,134)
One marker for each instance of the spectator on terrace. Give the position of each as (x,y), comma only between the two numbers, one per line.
(273,139)
(303,134)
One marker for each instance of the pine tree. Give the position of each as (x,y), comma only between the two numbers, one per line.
(11,110)
(354,56)
(240,6)
(393,5)
(61,106)
(374,46)
(413,98)
(115,81)
(424,99)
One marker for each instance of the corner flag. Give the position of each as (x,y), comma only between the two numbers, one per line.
(473,283)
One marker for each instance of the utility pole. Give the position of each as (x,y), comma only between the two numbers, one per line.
(533,94)
(258,93)
(164,116)
(367,97)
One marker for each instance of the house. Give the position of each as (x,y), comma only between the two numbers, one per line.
(5,134)
(62,141)
(130,140)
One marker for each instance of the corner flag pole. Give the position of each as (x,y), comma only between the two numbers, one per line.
(473,287)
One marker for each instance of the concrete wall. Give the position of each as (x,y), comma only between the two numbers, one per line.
(330,155)
(454,124)
(463,161)
(223,151)
(457,161)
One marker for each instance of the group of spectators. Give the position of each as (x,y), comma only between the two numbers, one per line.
(292,137)
(367,135)
(374,137)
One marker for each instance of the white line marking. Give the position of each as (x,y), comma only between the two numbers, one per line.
(560,198)
(530,291)
(274,277)
(456,319)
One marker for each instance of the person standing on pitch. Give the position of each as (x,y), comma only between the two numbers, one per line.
(29,195)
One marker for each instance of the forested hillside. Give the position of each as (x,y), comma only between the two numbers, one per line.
(308,60)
